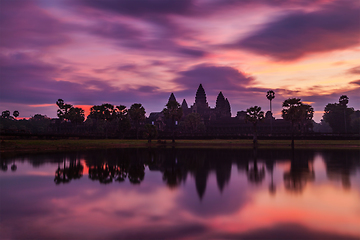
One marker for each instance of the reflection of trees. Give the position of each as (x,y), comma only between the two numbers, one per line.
(300,172)
(340,165)
(270,167)
(256,175)
(4,166)
(109,166)
(72,170)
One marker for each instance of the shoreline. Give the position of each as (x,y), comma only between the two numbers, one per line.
(23,146)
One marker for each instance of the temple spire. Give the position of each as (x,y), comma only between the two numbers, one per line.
(200,98)
(184,104)
(172,97)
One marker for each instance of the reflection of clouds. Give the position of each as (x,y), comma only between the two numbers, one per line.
(315,209)
(86,209)
(214,202)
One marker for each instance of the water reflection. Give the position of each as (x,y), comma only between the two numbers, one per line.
(301,171)
(118,165)
(192,193)
(71,169)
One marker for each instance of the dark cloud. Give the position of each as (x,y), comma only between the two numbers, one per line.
(118,31)
(357,82)
(354,70)
(126,36)
(26,25)
(213,77)
(334,27)
(141,8)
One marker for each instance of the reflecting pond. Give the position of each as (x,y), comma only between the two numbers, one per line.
(181,193)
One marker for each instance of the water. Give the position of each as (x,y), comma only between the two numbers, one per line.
(181,193)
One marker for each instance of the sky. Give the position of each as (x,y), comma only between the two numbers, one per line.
(90,52)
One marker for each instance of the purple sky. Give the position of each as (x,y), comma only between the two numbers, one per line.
(139,51)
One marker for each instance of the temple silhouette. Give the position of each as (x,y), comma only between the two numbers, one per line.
(201,106)
(217,122)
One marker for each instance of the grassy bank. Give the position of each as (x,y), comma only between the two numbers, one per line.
(64,145)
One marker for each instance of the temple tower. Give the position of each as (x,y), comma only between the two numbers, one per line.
(200,98)
(222,108)
(201,106)
(172,97)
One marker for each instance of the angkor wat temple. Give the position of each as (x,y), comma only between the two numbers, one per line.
(217,122)
(201,106)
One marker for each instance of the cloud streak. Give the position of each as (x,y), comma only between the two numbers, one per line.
(335,27)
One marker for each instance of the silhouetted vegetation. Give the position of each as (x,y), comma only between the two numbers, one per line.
(299,114)
(198,121)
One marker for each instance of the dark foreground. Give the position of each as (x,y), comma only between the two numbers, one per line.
(13,146)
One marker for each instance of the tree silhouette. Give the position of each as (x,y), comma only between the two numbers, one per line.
(150,132)
(63,110)
(122,120)
(5,114)
(173,111)
(337,115)
(104,114)
(256,175)
(270,95)
(70,113)
(344,100)
(254,115)
(297,113)
(16,113)
(137,116)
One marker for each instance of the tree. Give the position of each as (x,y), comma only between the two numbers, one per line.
(104,114)
(16,113)
(76,115)
(297,113)
(137,116)
(5,114)
(70,113)
(338,115)
(343,101)
(63,110)
(270,95)
(150,132)
(254,115)
(123,121)
(173,111)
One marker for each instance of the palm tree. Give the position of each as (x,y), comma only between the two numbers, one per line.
(16,113)
(137,115)
(270,95)
(254,115)
(344,100)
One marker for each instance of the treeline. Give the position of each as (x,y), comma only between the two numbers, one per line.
(111,121)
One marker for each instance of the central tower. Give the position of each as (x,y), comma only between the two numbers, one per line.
(200,98)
